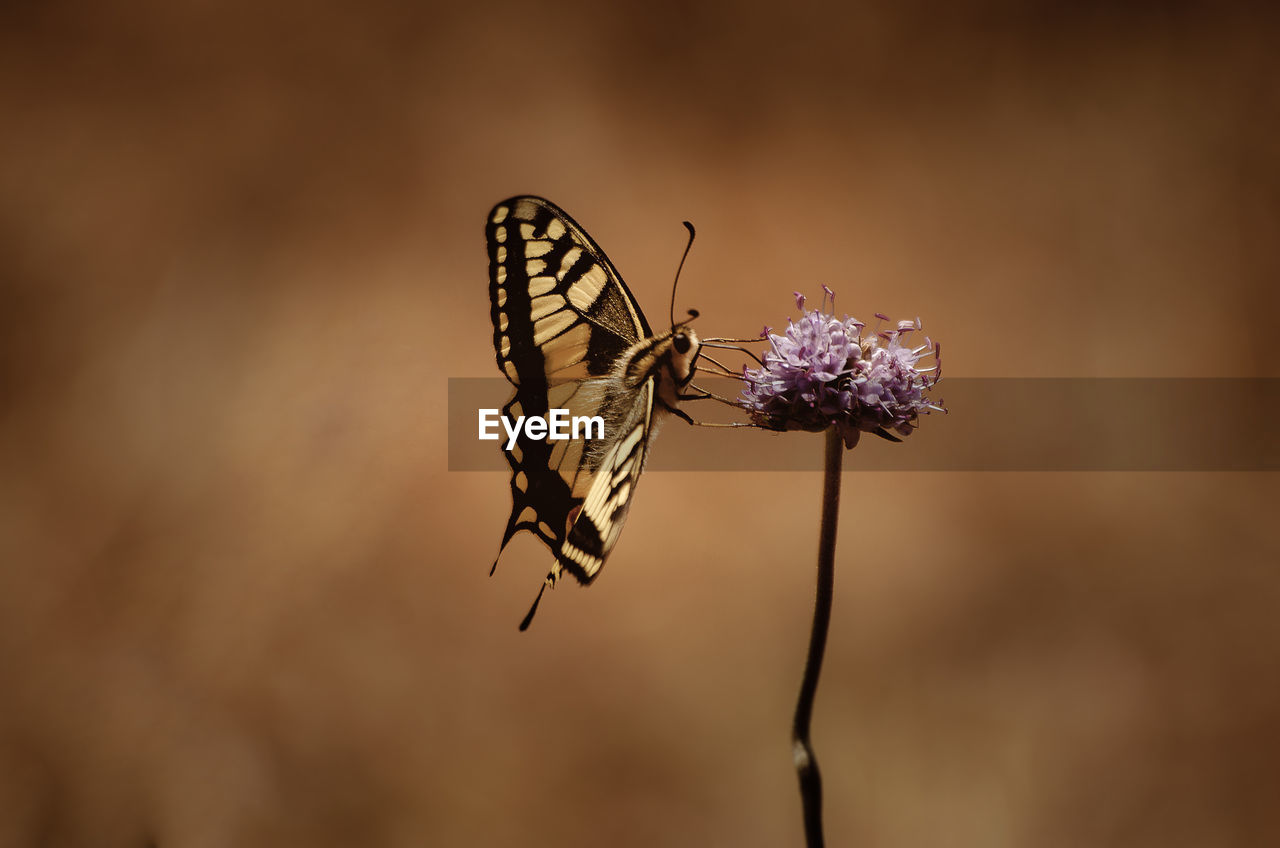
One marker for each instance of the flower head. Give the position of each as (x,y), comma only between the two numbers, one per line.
(825,372)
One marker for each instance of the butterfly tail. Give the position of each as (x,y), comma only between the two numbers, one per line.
(550,581)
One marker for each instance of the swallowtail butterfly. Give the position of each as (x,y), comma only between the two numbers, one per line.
(569,335)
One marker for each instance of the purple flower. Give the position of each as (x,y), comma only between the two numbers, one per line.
(824,372)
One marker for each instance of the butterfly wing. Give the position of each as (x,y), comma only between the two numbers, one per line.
(614,474)
(557,303)
(562,320)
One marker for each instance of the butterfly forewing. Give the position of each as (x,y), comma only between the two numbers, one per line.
(555,298)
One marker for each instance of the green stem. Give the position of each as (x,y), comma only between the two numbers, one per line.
(801,750)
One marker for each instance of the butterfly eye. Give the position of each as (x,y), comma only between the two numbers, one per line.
(681,343)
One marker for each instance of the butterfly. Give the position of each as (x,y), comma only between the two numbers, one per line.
(569,335)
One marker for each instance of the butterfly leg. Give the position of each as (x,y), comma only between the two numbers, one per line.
(703,394)
(699,393)
(684,416)
(679,413)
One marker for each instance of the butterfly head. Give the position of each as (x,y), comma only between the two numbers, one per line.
(685,347)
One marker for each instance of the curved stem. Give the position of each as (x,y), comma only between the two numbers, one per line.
(801,750)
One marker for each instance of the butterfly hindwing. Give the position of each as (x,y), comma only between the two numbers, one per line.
(616,471)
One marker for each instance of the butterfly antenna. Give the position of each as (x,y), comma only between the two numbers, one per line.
(676,282)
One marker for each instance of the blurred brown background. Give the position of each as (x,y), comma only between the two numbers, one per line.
(243,602)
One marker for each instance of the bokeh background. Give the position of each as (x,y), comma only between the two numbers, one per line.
(244,602)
